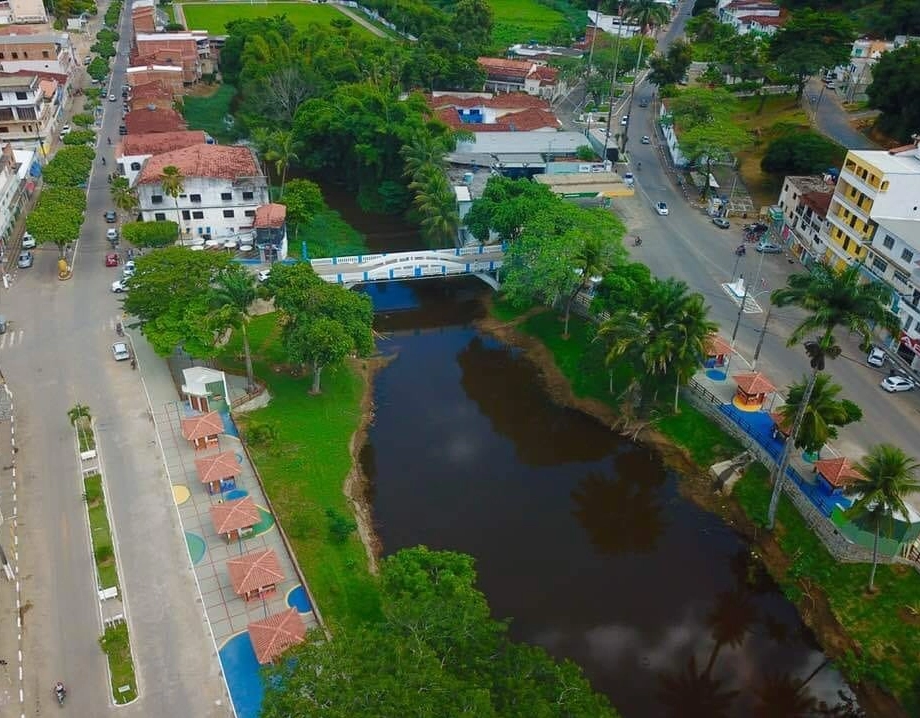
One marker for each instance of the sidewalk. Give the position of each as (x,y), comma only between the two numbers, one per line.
(10,645)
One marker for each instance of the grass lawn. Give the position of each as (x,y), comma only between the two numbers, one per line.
(504,311)
(103,550)
(214,17)
(304,468)
(207,112)
(117,647)
(522,20)
(85,436)
(694,431)
(883,623)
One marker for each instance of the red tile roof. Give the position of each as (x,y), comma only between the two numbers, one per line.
(818,201)
(210,161)
(198,427)
(234,515)
(155,143)
(752,384)
(270,215)
(152,89)
(716,346)
(145,120)
(781,422)
(58,77)
(501,101)
(255,570)
(275,634)
(767,20)
(547,75)
(500,66)
(838,472)
(523,121)
(219,466)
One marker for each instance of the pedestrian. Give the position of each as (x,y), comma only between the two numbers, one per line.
(103,161)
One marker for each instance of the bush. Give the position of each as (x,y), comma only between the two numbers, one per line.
(80,137)
(70,167)
(175,27)
(802,152)
(98,68)
(150,234)
(107,35)
(340,527)
(261,434)
(104,553)
(82,119)
(585,153)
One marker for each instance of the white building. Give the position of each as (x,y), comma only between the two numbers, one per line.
(221,189)
(22,12)
(612,24)
(670,136)
(134,150)
(760,16)
(804,201)
(15,167)
(43,52)
(856,76)
(30,108)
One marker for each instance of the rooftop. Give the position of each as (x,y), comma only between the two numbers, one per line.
(716,345)
(906,229)
(147,120)
(505,67)
(155,88)
(255,570)
(838,472)
(159,36)
(818,201)
(154,143)
(153,68)
(273,635)
(522,142)
(198,427)
(904,162)
(17,80)
(754,383)
(270,215)
(44,38)
(208,161)
(219,466)
(235,515)
(501,101)
(522,121)
(809,183)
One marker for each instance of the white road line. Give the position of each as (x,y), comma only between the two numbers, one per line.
(20,335)
(3,341)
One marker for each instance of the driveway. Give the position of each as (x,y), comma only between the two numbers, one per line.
(832,119)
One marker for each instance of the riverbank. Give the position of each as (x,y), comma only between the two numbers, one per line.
(690,448)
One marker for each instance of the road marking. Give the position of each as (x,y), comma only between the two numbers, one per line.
(750,304)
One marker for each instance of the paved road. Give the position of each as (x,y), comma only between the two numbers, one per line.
(57,354)
(832,119)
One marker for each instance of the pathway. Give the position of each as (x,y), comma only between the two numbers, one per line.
(361,21)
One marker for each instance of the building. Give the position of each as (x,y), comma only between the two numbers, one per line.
(274,634)
(144,16)
(521,76)
(751,16)
(485,112)
(235,519)
(516,154)
(610,24)
(205,389)
(203,430)
(151,94)
(170,76)
(41,52)
(30,109)
(218,472)
(804,201)
(533,51)
(270,231)
(151,119)
(16,170)
(134,150)
(669,133)
(222,189)
(23,12)
(255,575)
(189,50)
(854,78)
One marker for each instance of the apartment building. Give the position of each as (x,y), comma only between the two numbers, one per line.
(16,168)
(29,109)
(41,52)
(521,76)
(804,201)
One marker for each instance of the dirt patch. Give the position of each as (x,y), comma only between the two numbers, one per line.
(201,89)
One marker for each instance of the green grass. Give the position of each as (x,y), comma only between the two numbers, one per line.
(85,436)
(116,645)
(504,311)
(697,433)
(208,113)
(328,235)
(304,468)
(101,532)
(214,17)
(523,20)
(878,622)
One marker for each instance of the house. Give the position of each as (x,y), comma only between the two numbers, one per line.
(235,519)
(804,201)
(30,109)
(205,388)
(23,12)
(189,50)
(133,150)
(169,75)
(485,112)
(152,95)
(855,77)
(144,17)
(270,231)
(45,52)
(835,475)
(516,153)
(223,187)
(274,634)
(521,76)
(752,390)
(255,575)
(219,472)
(760,16)
(15,170)
(148,120)
(203,430)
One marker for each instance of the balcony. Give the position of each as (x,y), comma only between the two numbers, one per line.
(853,180)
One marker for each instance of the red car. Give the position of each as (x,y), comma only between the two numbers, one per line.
(111,260)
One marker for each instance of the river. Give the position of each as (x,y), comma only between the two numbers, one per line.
(580,536)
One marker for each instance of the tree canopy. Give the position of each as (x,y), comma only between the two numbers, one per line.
(70,166)
(57,216)
(895,90)
(802,152)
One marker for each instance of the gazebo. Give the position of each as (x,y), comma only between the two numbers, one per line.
(202,430)
(834,475)
(255,575)
(781,427)
(235,519)
(219,471)
(752,391)
(273,635)
(716,350)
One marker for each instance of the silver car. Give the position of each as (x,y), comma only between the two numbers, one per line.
(769,248)
(120,351)
(25,260)
(897,382)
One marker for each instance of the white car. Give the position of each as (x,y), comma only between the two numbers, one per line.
(120,351)
(662,208)
(895,383)
(263,274)
(119,286)
(28,241)
(112,98)
(65,130)
(111,233)
(130,270)
(624,120)
(876,357)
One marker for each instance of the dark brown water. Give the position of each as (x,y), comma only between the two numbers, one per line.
(580,537)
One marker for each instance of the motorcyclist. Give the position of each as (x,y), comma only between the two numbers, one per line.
(110,140)
(60,691)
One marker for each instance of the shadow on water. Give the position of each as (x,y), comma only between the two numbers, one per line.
(579,535)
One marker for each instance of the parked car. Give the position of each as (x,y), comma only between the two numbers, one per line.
(130,269)
(896,382)
(111,259)
(877,357)
(120,351)
(112,97)
(25,260)
(721,222)
(646,140)
(111,217)
(122,130)
(65,130)
(119,286)
(769,248)
(661,208)
(111,233)
(624,120)
(28,241)
(263,274)
(643,102)
(629,179)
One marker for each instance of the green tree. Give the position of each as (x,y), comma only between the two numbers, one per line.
(809,41)
(70,166)
(319,342)
(802,152)
(57,216)
(895,90)
(123,196)
(233,296)
(647,13)
(281,151)
(624,286)
(79,137)
(173,184)
(834,299)
(823,415)
(98,69)
(504,207)
(715,141)
(890,475)
(150,234)
(436,205)
(471,26)
(304,200)
(670,67)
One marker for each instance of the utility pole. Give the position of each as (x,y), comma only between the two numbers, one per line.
(763,331)
(737,323)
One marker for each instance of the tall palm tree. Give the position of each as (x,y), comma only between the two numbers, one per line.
(691,329)
(123,196)
(823,415)
(234,292)
(890,475)
(423,150)
(437,205)
(173,183)
(594,258)
(835,299)
(282,151)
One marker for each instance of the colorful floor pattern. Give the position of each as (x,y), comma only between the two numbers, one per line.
(242,671)
(297,598)
(180,494)
(196,546)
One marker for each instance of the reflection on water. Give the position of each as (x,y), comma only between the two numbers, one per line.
(580,536)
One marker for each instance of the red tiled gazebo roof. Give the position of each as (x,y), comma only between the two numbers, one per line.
(255,570)
(275,634)
(754,383)
(235,515)
(714,345)
(201,426)
(838,472)
(219,466)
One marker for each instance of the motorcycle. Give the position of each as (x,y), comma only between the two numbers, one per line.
(60,693)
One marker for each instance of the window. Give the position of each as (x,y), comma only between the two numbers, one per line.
(25,54)
(247,195)
(45,54)
(4,130)
(157,199)
(195,197)
(250,213)
(1,55)
(228,213)
(160,216)
(888,242)
(902,278)
(908,323)
(198,214)
(186,214)
(26,113)
(136,167)
(907,255)
(22,95)
(226,196)
(15,55)
(846,244)
(879,265)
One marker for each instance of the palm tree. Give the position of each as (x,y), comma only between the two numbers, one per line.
(281,151)
(234,293)
(437,205)
(730,621)
(594,258)
(691,329)
(425,149)
(890,475)
(835,299)
(123,197)
(172,182)
(824,413)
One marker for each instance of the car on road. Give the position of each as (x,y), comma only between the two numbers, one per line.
(629,179)
(624,120)
(646,140)
(120,351)
(111,259)
(112,97)
(122,130)
(130,269)
(65,130)
(768,248)
(896,382)
(661,208)
(721,222)
(111,217)
(119,286)
(643,102)
(111,233)
(28,241)
(876,357)
(25,260)
(262,276)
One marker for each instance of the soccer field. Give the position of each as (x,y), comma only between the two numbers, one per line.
(523,20)
(214,17)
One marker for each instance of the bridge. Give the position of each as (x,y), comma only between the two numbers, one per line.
(481,261)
